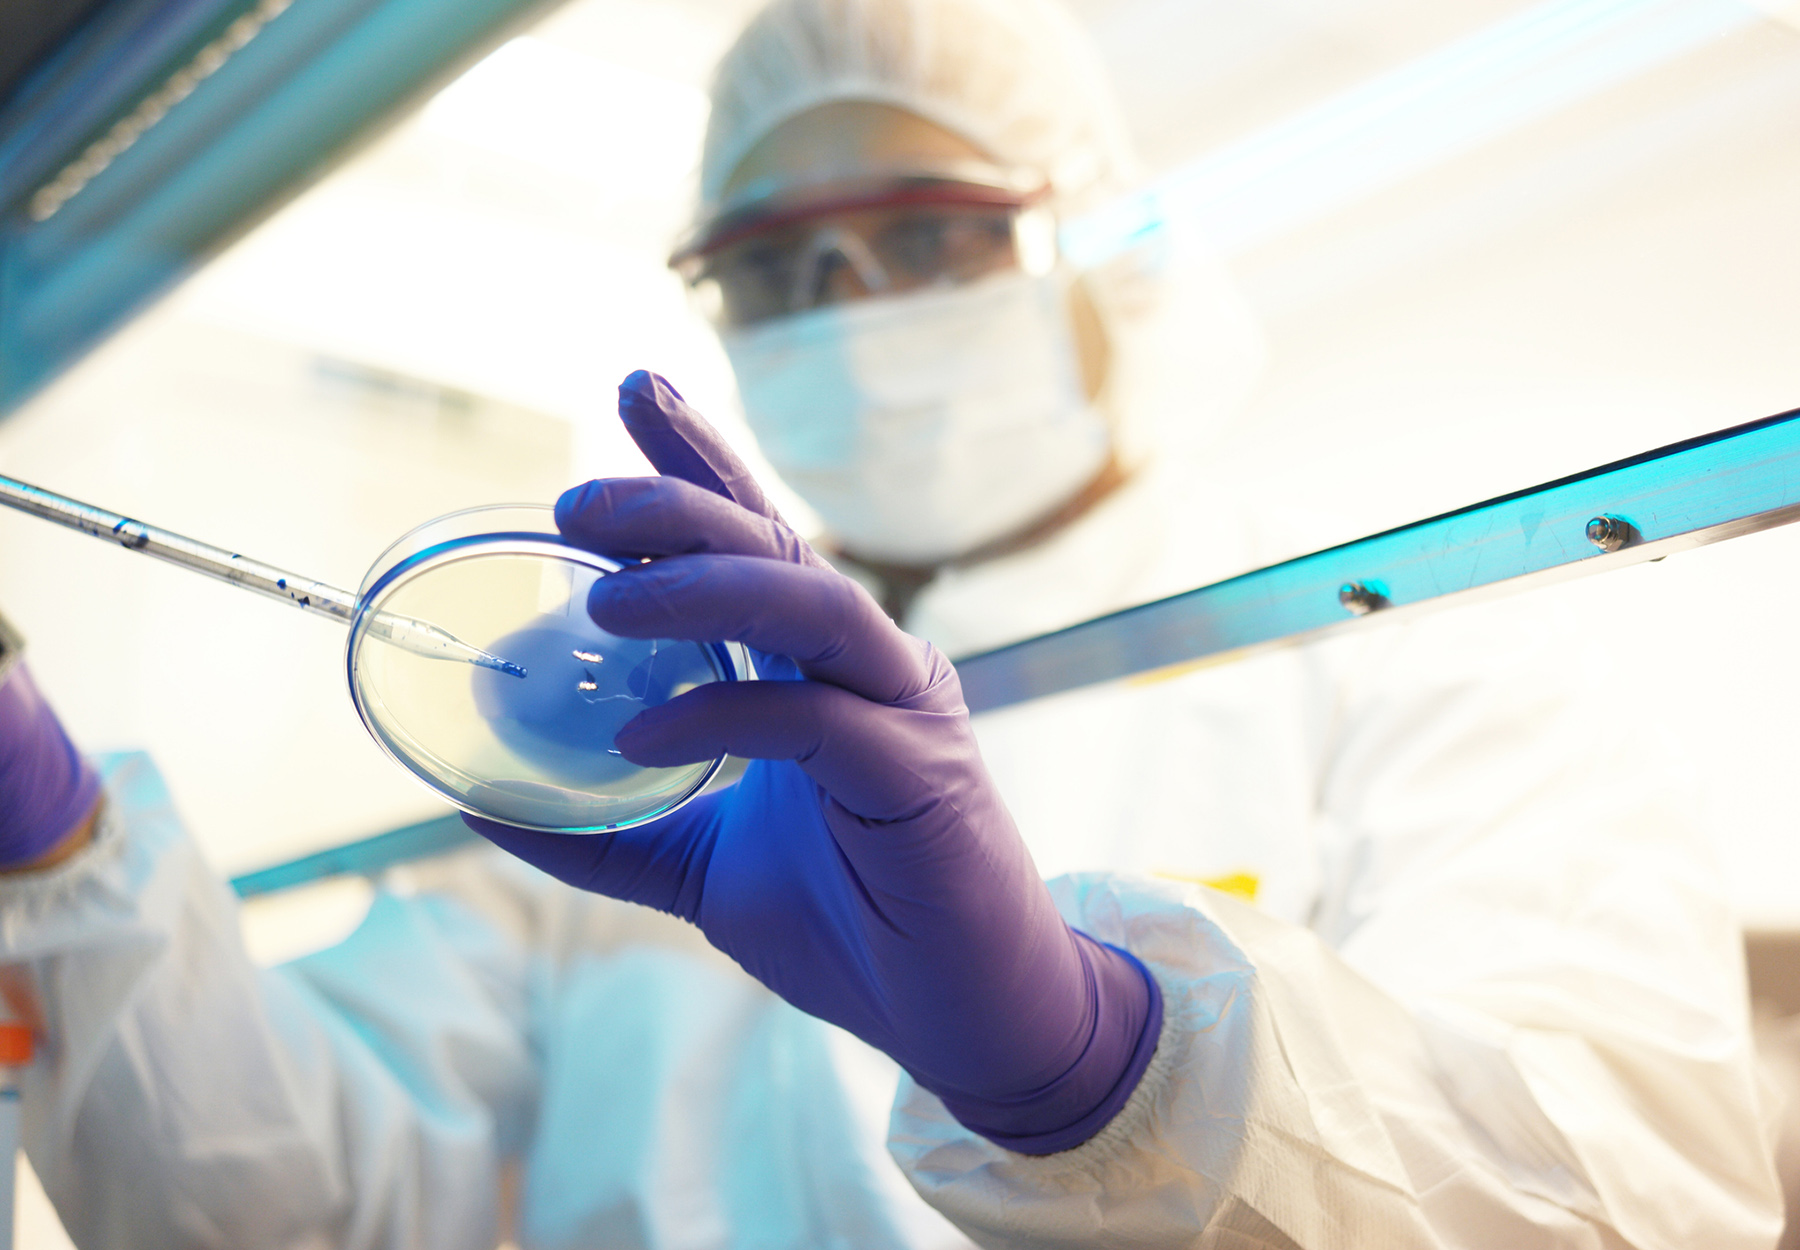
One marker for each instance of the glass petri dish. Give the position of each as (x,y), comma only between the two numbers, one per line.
(535,751)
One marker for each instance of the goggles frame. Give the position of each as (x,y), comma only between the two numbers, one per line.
(773,210)
(1032,225)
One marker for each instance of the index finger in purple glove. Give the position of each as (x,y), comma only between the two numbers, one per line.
(680,443)
(628,517)
(819,618)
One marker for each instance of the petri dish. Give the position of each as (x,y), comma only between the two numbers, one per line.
(534,751)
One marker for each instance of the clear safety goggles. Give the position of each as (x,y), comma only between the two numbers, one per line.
(831,244)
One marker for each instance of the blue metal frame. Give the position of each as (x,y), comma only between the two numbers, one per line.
(371,855)
(1700,491)
(1685,495)
(317,77)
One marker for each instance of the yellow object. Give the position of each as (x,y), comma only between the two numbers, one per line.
(1170,672)
(1242,884)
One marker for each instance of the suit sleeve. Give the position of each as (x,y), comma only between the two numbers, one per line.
(185,1097)
(1516,1018)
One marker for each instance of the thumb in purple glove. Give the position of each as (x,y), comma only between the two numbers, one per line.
(47,789)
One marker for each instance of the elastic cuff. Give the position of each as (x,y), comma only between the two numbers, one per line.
(1094,1121)
(41,890)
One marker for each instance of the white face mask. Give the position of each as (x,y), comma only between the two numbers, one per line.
(924,425)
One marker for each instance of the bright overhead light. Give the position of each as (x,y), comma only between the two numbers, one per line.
(575,114)
(1781,10)
(1403,122)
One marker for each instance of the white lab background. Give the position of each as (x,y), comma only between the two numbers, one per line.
(1596,253)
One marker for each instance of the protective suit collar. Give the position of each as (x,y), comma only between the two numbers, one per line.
(1163,532)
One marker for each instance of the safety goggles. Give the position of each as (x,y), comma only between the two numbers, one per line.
(829,244)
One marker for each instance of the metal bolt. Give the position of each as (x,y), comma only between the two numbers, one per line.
(1609,533)
(1359,599)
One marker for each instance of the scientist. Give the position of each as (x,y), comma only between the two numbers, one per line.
(1489,995)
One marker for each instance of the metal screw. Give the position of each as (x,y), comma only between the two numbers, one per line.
(1609,533)
(1359,599)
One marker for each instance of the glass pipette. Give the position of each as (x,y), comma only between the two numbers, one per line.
(405,632)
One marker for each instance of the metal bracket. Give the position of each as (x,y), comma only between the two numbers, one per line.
(1699,491)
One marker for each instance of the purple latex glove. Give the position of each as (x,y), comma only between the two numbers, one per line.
(864,868)
(47,789)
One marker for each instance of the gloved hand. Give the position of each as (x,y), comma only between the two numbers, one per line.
(864,868)
(47,789)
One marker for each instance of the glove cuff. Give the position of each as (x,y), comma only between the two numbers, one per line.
(1128,1020)
(47,787)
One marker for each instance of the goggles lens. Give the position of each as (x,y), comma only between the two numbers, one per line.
(790,267)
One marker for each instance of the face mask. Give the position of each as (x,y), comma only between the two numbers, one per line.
(925,425)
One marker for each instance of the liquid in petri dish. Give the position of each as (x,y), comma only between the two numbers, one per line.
(535,750)
(580,689)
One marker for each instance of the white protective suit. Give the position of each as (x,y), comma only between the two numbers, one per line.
(1491,997)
